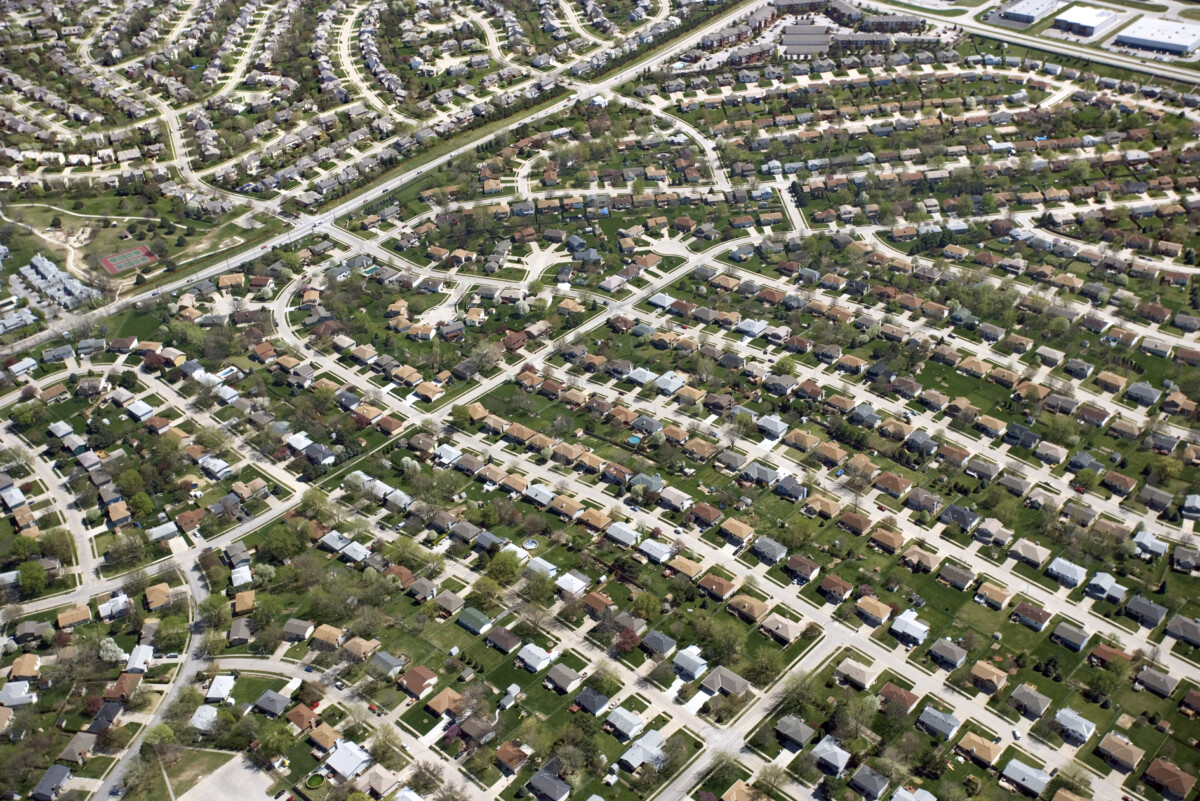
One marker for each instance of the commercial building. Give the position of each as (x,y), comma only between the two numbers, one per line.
(1029,11)
(1086,21)
(1168,36)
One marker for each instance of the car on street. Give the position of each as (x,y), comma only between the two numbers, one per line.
(1016,734)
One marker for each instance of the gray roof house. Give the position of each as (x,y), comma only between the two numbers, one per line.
(830,756)
(768,550)
(1029,779)
(272,703)
(869,783)
(939,724)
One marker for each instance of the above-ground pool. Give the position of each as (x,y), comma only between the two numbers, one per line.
(529,545)
(635,439)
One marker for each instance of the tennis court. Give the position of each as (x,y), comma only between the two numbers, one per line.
(127,260)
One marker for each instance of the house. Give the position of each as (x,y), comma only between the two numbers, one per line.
(1118,751)
(419,681)
(791,728)
(1030,616)
(1168,779)
(940,724)
(52,784)
(1074,727)
(689,664)
(987,677)
(908,628)
(272,704)
(869,783)
(854,673)
(1145,611)
(1028,701)
(535,659)
(1070,636)
(1029,779)
(979,749)
(562,678)
(947,654)
(1157,682)
(624,724)
(831,757)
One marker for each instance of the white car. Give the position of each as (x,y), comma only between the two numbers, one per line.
(1016,734)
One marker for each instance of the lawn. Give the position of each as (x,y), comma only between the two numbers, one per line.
(193,766)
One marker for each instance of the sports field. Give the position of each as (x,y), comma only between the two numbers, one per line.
(127,260)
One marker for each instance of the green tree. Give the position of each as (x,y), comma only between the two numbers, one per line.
(32,578)
(538,589)
(647,605)
(459,416)
(172,634)
(141,506)
(1086,478)
(505,568)
(158,738)
(214,611)
(130,482)
(484,593)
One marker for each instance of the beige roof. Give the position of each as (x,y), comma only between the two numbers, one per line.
(446,700)
(26,666)
(1120,749)
(75,616)
(158,595)
(748,607)
(997,595)
(243,602)
(981,749)
(988,673)
(681,564)
(740,791)
(780,627)
(360,649)
(874,608)
(737,528)
(324,736)
(327,634)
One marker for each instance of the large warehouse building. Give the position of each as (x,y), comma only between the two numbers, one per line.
(1178,38)
(1086,20)
(1029,11)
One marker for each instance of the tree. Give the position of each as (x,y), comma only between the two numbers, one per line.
(214,611)
(459,416)
(32,578)
(484,593)
(386,747)
(538,589)
(172,634)
(315,503)
(1086,478)
(627,641)
(772,778)
(505,568)
(118,737)
(646,605)
(427,777)
(141,506)
(110,651)
(159,738)
(663,673)
(765,667)
(213,644)
(722,768)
